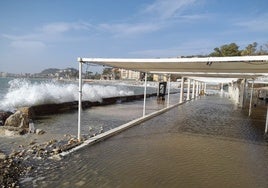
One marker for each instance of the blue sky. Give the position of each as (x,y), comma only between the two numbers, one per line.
(39,34)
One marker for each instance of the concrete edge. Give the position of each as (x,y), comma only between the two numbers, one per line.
(117,130)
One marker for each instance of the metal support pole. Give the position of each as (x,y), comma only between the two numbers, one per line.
(205,89)
(188,89)
(242,93)
(145,91)
(182,89)
(196,89)
(266,126)
(193,90)
(199,88)
(251,94)
(80,99)
(168,91)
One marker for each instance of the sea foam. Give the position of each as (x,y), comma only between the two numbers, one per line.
(23,92)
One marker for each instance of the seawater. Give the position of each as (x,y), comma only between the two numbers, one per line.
(207,142)
(16,93)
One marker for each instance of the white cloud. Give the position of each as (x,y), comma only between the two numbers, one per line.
(32,45)
(168,8)
(50,30)
(44,34)
(33,36)
(129,29)
(156,16)
(61,27)
(194,47)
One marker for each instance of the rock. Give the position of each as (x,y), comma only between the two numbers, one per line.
(90,129)
(39,131)
(55,157)
(18,119)
(56,150)
(80,183)
(101,130)
(73,140)
(32,142)
(11,133)
(2,156)
(28,111)
(3,116)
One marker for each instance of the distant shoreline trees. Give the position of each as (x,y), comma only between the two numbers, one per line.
(232,49)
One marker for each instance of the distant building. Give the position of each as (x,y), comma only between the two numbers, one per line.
(159,78)
(129,74)
(3,74)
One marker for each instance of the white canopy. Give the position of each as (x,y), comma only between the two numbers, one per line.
(222,67)
(225,67)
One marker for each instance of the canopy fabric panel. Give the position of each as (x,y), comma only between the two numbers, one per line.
(239,66)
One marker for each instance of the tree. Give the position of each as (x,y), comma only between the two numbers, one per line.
(149,76)
(216,53)
(88,74)
(226,50)
(116,73)
(97,76)
(174,77)
(250,49)
(107,71)
(263,50)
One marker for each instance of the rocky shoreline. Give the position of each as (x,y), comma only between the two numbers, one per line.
(10,171)
(19,163)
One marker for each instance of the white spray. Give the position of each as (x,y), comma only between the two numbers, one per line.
(24,93)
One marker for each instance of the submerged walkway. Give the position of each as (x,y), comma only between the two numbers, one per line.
(207,142)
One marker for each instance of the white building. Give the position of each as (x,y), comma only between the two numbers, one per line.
(129,74)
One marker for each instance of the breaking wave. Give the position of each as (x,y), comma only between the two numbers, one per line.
(23,92)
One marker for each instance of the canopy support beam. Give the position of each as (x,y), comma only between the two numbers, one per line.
(80,99)
(182,89)
(193,90)
(168,99)
(251,96)
(196,89)
(266,125)
(188,89)
(145,93)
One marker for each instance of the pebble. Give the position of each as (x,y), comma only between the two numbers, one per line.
(2,156)
(80,183)
(39,131)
